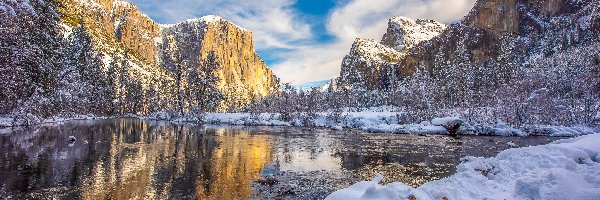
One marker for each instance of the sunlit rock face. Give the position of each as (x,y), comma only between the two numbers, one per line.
(122,33)
(116,25)
(242,71)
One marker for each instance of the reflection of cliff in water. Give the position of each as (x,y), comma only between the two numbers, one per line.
(129,158)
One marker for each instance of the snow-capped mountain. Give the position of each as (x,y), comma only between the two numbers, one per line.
(319,85)
(404,33)
(498,41)
(372,65)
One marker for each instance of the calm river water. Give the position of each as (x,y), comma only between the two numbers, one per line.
(141,159)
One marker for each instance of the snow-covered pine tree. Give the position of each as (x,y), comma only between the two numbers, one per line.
(203,79)
(93,87)
(30,55)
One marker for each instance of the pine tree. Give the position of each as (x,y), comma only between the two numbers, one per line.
(30,54)
(204,79)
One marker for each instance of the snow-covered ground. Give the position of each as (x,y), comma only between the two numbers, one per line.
(565,169)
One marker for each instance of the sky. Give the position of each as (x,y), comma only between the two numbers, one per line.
(306,40)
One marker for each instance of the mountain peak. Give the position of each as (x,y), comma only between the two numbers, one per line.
(403,33)
(205,20)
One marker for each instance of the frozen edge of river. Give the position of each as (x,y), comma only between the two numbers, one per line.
(387,122)
(368,121)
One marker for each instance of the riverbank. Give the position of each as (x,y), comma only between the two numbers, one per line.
(372,120)
(565,169)
(388,122)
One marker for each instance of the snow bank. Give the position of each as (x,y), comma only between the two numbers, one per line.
(387,122)
(11,122)
(565,169)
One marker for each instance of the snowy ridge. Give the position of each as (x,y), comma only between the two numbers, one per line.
(565,169)
(404,33)
(205,20)
(312,85)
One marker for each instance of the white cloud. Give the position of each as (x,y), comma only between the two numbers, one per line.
(361,19)
(274,23)
(277,26)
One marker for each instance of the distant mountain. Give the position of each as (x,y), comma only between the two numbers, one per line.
(309,86)
(372,65)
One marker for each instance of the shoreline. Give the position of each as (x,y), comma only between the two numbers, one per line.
(369,122)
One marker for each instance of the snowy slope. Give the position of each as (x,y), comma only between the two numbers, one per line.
(565,169)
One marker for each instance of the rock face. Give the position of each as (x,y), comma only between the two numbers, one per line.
(498,40)
(115,24)
(368,66)
(371,65)
(233,47)
(124,34)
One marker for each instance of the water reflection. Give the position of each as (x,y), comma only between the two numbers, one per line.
(131,159)
(139,159)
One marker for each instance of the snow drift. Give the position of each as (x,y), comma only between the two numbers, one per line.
(565,169)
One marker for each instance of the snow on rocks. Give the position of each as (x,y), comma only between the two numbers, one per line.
(452,124)
(404,33)
(447,121)
(565,169)
(370,50)
(512,144)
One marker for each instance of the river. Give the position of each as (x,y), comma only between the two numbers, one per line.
(143,159)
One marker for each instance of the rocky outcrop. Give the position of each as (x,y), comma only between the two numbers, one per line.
(368,66)
(404,33)
(233,47)
(243,74)
(372,65)
(491,46)
(115,25)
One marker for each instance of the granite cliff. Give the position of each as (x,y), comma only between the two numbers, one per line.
(122,33)
(372,65)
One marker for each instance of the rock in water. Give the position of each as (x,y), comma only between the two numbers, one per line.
(452,124)
(71,139)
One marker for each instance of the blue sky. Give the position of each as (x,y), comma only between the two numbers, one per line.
(305,40)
